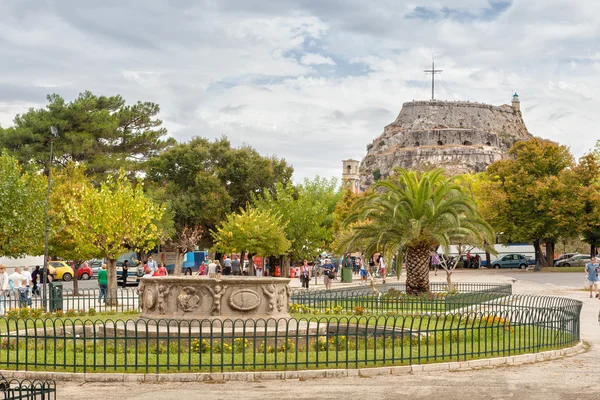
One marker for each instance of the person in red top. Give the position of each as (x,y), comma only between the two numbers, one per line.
(162,270)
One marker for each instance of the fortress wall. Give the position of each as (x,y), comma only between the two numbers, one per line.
(443,137)
(428,115)
(454,159)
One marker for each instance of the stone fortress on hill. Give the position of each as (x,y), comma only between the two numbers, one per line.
(459,136)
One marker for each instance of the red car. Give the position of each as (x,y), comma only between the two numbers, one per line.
(84,272)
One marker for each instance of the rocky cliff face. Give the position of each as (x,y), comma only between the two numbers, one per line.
(458,136)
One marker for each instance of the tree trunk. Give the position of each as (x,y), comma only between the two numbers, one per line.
(76,265)
(285,268)
(449,281)
(549,253)
(178,262)
(111,271)
(593,249)
(488,260)
(417,270)
(242,254)
(538,254)
(251,271)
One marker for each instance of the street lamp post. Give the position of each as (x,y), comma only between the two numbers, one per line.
(54,135)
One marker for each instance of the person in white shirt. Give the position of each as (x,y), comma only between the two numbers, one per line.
(152,264)
(212,269)
(17,278)
(27,275)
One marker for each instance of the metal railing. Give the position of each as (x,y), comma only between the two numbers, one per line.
(506,326)
(394,299)
(14,389)
(118,300)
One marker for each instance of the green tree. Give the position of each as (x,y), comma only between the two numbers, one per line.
(307,211)
(101,131)
(22,209)
(113,219)
(68,187)
(203,181)
(416,214)
(530,195)
(584,185)
(254,231)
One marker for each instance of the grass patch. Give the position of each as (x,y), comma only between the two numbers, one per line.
(344,342)
(284,353)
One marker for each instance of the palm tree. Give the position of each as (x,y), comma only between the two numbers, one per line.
(415,214)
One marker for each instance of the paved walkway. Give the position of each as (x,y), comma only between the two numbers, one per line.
(576,377)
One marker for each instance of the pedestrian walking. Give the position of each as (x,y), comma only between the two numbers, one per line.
(103,283)
(328,274)
(226,265)
(4,288)
(591,270)
(363,273)
(381,266)
(125,273)
(435,261)
(35,276)
(305,274)
(236,266)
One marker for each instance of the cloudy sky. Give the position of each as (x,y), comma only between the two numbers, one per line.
(313,81)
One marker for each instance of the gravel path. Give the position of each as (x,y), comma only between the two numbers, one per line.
(574,377)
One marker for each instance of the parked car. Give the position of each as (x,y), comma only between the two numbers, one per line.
(96,266)
(578,260)
(564,257)
(510,261)
(84,272)
(62,271)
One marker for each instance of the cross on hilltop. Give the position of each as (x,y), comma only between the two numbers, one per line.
(433,71)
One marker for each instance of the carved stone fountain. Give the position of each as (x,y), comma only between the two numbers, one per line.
(201,298)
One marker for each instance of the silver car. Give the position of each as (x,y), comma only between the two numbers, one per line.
(578,260)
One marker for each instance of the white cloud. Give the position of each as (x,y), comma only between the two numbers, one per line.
(250,69)
(312,58)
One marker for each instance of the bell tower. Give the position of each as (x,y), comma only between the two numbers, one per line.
(350,176)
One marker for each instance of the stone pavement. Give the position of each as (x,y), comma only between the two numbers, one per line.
(575,377)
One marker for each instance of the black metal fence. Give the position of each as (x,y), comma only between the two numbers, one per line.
(395,299)
(14,389)
(506,326)
(121,300)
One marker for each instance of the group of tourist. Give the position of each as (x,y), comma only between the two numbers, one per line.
(21,283)
(229,266)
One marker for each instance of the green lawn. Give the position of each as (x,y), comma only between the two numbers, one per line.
(281,353)
(441,339)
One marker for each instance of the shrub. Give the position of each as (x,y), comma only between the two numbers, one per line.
(92,312)
(59,314)
(70,313)
(37,312)
(240,344)
(24,313)
(12,313)
(82,313)
(288,345)
(358,310)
